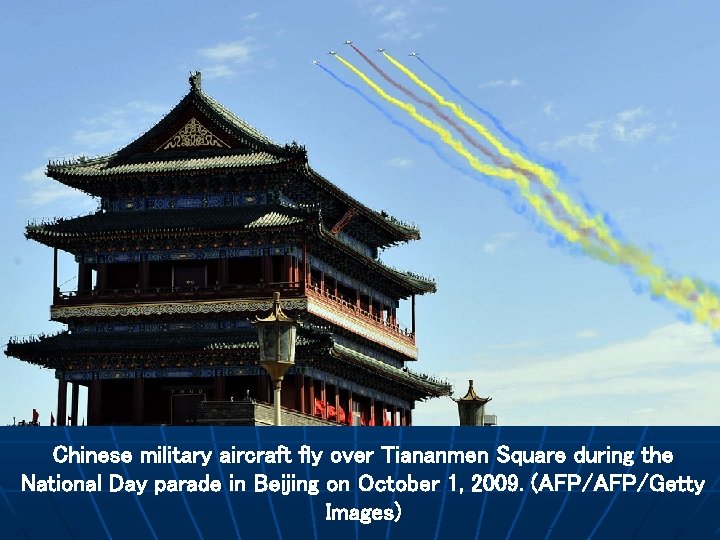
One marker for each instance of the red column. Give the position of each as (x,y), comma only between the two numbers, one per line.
(323,398)
(74,403)
(372,412)
(219,388)
(263,388)
(337,403)
(144,279)
(55,276)
(350,408)
(311,395)
(138,402)
(305,267)
(413,314)
(266,269)
(102,276)
(62,403)
(300,388)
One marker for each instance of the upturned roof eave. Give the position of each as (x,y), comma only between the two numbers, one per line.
(414,284)
(398,231)
(420,382)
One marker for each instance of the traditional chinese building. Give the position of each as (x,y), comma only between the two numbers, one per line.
(201,219)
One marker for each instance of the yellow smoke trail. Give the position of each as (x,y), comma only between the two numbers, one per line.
(546,177)
(537,202)
(694,297)
(704,305)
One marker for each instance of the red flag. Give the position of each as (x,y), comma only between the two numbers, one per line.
(331,412)
(386,420)
(52,419)
(341,414)
(319,407)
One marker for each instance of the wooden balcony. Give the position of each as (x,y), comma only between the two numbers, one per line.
(341,309)
(352,311)
(174,294)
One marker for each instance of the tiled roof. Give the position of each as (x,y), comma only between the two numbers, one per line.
(202,219)
(416,283)
(54,351)
(427,383)
(104,166)
(132,167)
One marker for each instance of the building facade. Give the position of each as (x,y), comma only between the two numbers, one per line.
(201,219)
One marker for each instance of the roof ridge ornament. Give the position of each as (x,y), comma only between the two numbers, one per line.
(195,81)
(193,133)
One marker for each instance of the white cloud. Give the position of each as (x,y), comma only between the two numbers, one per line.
(394,16)
(227,57)
(492,84)
(587,334)
(549,110)
(251,16)
(217,72)
(400,22)
(669,376)
(497,83)
(116,127)
(586,140)
(512,83)
(630,126)
(630,114)
(100,134)
(625,126)
(497,241)
(239,52)
(44,190)
(400,162)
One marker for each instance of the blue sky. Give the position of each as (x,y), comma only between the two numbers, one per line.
(623,94)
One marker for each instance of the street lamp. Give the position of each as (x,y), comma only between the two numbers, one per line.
(471,408)
(276,335)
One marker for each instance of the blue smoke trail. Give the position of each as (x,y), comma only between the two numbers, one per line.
(505,187)
(557,167)
(514,200)
(552,165)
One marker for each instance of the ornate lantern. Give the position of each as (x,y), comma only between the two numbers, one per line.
(277,334)
(471,408)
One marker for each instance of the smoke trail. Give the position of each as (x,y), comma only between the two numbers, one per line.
(557,167)
(694,296)
(546,177)
(537,202)
(501,186)
(434,108)
(504,187)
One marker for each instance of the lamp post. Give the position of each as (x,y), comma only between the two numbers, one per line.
(277,334)
(471,408)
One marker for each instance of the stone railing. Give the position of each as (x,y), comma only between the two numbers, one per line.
(251,413)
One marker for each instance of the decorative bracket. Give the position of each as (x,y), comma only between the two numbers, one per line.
(347,217)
